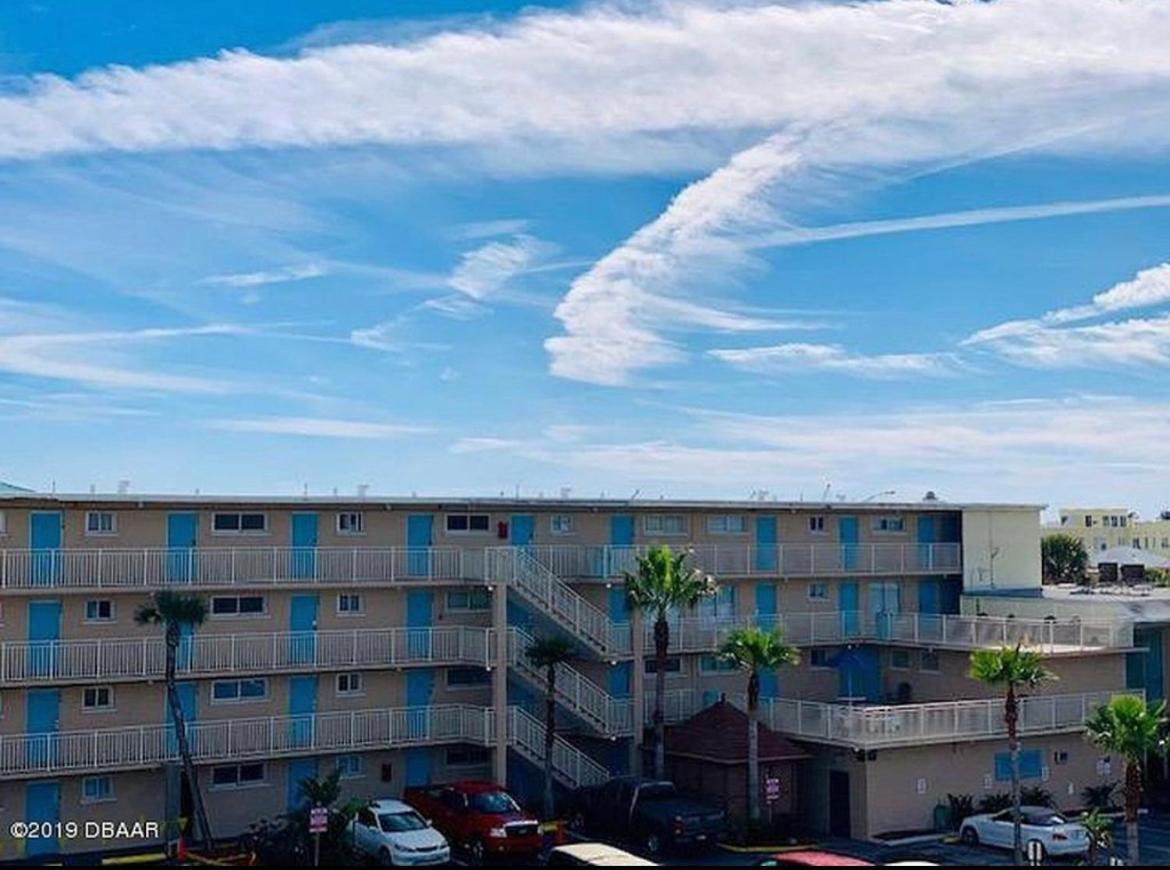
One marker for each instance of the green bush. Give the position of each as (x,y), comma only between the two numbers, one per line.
(994,803)
(1099,797)
(959,806)
(1036,796)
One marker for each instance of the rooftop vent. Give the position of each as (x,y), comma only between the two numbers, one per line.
(930,496)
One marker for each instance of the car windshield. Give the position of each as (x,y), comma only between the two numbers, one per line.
(1046,820)
(494,802)
(392,823)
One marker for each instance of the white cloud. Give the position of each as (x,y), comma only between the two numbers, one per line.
(283,275)
(1051,342)
(313,427)
(77,357)
(391,336)
(793,358)
(490,229)
(456,307)
(487,269)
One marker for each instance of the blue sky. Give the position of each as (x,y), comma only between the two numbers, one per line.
(692,249)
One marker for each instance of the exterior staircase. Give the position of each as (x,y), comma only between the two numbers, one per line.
(571,766)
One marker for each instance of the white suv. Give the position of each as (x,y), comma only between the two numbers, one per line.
(395,835)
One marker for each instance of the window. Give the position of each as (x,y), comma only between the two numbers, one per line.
(240,523)
(229,691)
(1031,762)
(716,665)
(3,523)
(665,524)
(673,665)
(474,598)
(461,523)
(1088,521)
(99,610)
(350,523)
(816,525)
(900,659)
(719,607)
(727,524)
(819,657)
(1123,521)
(349,604)
(100,523)
(888,525)
(96,789)
(561,524)
(349,766)
(350,683)
(237,605)
(1060,756)
(237,775)
(460,678)
(468,756)
(930,661)
(1113,524)
(97,698)
(818,591)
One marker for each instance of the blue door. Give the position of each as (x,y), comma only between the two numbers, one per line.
(767,553)
(299,769)
(302,704)
(620,679)
(847,537)
(929,597)
(522,528)
(418,540)
(420,686)
(849,603)
(42,717)
(419,615)
(44,631)
(621,542)
(302,624)
(303,558)
(182,535)
(766,614)
(44,537)
(859,674)
(418,766)
(927,535)
(42,803)
(187,703)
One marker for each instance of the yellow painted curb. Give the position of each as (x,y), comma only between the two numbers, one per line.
(752,850)
(147,858)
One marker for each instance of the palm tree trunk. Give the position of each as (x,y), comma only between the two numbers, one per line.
(550,727)
(661,643)
(1011,719)
(753,772)
(173,637)
(1133,799)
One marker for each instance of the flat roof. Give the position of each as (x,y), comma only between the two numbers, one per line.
(392,502)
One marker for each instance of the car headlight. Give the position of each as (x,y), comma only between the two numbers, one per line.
(497,832)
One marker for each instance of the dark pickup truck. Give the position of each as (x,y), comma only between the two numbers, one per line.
(647,811)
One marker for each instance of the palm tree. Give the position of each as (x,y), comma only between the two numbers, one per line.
(755,650)
(549,653)
(1126,726)
(663,582)
(174,612)
(1012,668)
(1099,829)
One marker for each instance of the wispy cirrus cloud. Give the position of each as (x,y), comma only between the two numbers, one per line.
(316,427)
(487,269)
(794,358)
(283,275)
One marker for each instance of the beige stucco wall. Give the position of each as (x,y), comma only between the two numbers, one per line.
(1001,550)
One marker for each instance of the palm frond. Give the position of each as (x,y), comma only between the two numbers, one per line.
(167,607)
(550,651)
(1129,727)
(1014,667)
(664,581)
(753,649)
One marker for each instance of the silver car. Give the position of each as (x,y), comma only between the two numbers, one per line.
(395,835)
(1044,825)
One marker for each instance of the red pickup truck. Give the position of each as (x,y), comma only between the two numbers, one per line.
(478,816)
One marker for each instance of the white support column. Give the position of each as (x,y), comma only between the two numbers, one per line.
(500,682)
(637,688)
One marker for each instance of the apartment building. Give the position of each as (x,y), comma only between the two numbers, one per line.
(386,638)
(1101,529)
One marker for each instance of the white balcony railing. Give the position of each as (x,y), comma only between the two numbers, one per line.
(573,767)
(754,560)
(267,737)
(107,568)
(705,634)
(863,726)
(211,654)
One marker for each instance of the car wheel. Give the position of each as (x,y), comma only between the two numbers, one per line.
(478,852)
(1043,852)
(384,857)
(969,836)
(653,843)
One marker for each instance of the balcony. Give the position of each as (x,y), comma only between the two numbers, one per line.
(149,568)
(938,631)
(231,739)
(861,726)
(751,560)
(207,654)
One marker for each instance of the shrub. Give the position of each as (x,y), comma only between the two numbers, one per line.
(1036,796)
(994,803)
(959,806)
(1099,797)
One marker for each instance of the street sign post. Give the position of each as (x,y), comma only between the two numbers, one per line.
(318,824)
(772,789)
